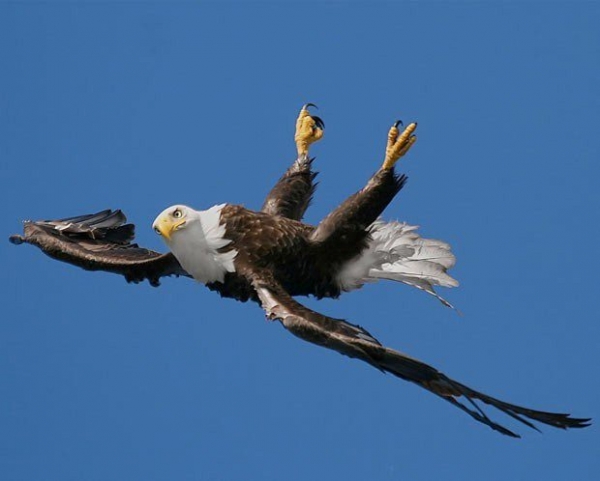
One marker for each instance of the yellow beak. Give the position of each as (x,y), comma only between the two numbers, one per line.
(166,226)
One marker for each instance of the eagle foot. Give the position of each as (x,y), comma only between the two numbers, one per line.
(309,129)
(398,144)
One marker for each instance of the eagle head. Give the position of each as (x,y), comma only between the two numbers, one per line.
(171,220)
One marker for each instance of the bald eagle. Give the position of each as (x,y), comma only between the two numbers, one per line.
(271,256)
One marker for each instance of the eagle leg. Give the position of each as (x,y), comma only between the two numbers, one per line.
(398,144)
(309,129)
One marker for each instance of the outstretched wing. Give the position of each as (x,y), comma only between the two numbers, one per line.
(99,242)
(354,341)
(293,192)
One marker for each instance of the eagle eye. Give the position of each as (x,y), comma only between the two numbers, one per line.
(177,214)
(157,230)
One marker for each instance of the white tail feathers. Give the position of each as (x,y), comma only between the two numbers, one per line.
(396,252)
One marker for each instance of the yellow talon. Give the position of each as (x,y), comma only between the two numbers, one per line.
(392,136)
(398,144)
(307,132)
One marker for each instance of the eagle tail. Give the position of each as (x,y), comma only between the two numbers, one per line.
(397,252)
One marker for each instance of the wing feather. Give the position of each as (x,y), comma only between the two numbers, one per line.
(99,242)
(356,342)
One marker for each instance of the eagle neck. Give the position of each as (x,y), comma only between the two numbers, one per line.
(199,246)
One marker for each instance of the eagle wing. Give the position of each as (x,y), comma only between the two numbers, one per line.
(356,342)
(293,192)
(100,242)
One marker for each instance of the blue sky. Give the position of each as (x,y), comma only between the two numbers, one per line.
(140,106)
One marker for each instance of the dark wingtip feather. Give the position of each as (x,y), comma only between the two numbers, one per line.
(556,420)
(576,422)
(112,219)
(108,225)
(480,416)
(122,234)
(83,218)
(105,218)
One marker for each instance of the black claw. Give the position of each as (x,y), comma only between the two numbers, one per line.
(318,121)
(398,122)
(309,105)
